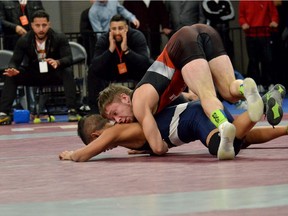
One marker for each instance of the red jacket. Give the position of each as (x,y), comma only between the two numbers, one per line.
(258,15)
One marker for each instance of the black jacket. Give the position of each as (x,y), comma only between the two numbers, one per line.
(104,63)
(10,12)
(57,47)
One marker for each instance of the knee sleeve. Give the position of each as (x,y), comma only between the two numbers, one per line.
(215,141)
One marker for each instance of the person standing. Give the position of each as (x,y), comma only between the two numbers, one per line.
(88,37)
(219,14)
(16,18)
(102,11)
(154,20)
(184,13)
(258,19)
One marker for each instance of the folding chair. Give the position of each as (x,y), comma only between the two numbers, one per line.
(79,55)
(5,57)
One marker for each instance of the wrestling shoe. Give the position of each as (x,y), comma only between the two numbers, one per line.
(241,104)
(255,105)
(226,147)
(5,119)
(273,104)
(73,115)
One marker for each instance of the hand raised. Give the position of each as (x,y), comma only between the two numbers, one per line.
(112,42)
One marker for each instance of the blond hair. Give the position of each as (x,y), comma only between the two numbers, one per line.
(111,94)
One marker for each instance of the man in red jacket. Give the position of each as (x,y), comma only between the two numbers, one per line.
(258,19)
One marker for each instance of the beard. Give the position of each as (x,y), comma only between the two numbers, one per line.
(41,36)
(118,38)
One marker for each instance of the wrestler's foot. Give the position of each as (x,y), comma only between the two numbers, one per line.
(273,104)
(254,100)
(226,147)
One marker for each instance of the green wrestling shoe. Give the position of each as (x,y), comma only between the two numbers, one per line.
(273,104)
(73,115)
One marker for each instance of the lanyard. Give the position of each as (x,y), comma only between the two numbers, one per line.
(40,50)
(120,54)
(23,5)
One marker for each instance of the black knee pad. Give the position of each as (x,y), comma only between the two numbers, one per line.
(215,141)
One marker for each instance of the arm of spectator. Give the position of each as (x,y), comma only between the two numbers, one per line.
(242,14)
(18,53)
(5,23)
(95,23)
(102,54)
(245,26)
(54,63)
(65,59)
(273,24)
(11,72)
(20,30)
(167,31)
(128,15)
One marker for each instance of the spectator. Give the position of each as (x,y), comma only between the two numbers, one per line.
(48,61)
(258,19)
(153,16)
(219,14)
(88,38)
(16,18)
(102,11)
(183,13)
(280,44)
(120,55)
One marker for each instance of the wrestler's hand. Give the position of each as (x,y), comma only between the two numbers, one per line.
(11,72)
(54,63)
(66,155)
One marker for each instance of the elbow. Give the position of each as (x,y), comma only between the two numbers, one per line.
(160,151)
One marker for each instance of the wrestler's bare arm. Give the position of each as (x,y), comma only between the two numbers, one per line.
(126,135)
(145,100)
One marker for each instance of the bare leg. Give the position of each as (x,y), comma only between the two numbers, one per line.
(264,134)
(198,77)
(224,78)
(229,88)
